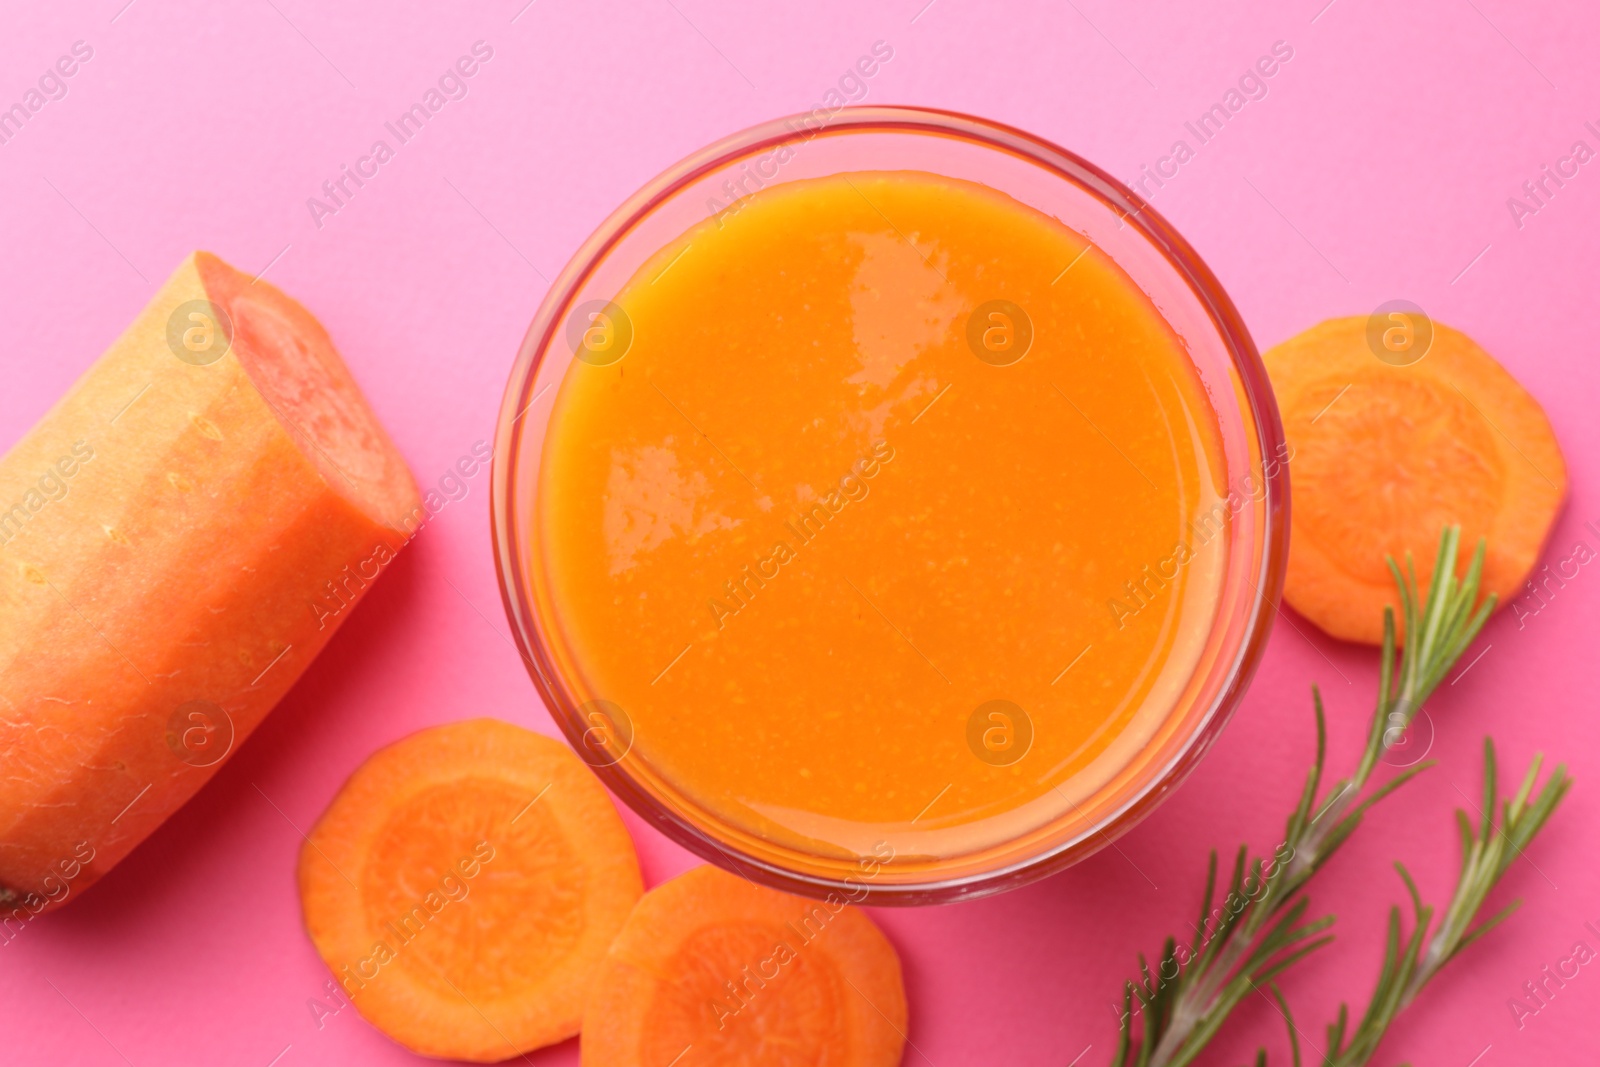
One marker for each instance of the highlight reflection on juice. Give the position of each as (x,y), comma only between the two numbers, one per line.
(873,532)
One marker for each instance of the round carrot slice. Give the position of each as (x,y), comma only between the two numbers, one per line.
(737,974)
(1387,451)
(464,886)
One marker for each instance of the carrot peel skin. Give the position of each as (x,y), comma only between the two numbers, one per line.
(173,555)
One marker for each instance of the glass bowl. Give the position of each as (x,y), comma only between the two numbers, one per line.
(1124,228)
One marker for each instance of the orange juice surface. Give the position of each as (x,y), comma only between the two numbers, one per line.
(880,529)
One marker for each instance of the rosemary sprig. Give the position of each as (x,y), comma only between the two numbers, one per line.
(1261,928)
(1486,852)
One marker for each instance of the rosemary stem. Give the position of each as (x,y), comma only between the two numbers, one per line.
(1255,938)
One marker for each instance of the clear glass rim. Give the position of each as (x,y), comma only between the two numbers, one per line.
(1259,409)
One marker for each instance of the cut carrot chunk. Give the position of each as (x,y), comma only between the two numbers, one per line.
(743,975)
(464,886)
(179,536)
(1384,456)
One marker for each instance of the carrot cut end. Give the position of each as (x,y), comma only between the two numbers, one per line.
(293,363)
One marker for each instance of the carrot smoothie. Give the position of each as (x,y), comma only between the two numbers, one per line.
(867,509)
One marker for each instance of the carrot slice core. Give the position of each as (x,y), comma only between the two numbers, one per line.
(538,888)
(799,1009)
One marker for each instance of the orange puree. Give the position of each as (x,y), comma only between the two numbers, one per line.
(805,537)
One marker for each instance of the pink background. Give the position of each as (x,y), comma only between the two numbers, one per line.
(1378,167)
